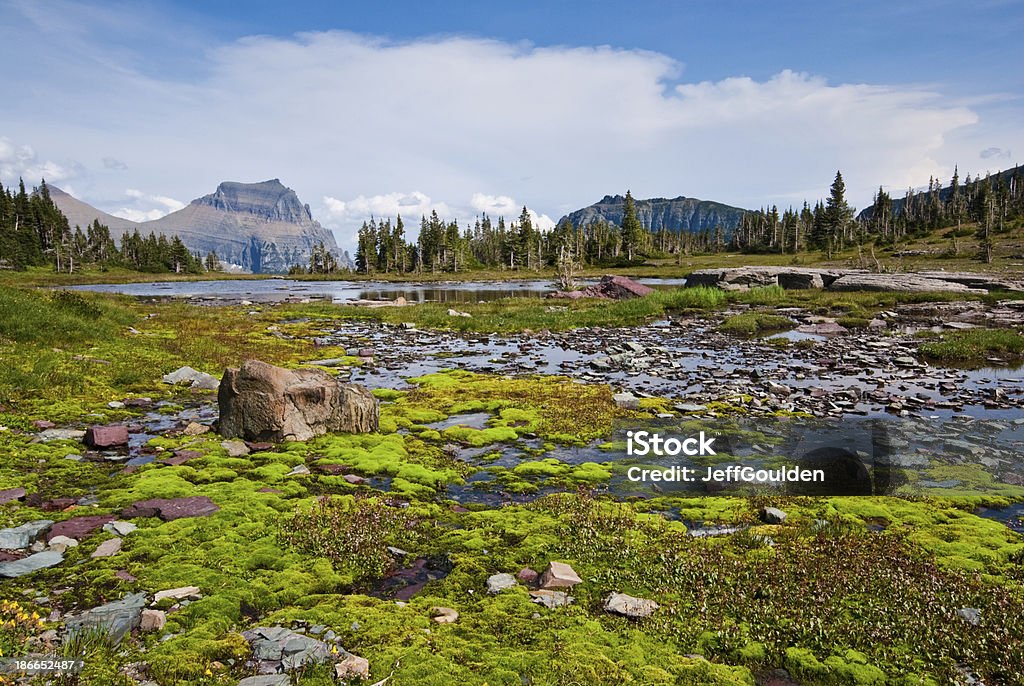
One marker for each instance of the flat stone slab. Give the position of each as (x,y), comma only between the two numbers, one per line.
(78,527)
(118,617)
(61,435)
(20,537)
(292,650)
(109,547)
(169,509)
(32,563)
(551,599)
(177,593)
(10,494)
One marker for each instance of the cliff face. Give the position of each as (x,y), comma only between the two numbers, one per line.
(673,214)
(261,226)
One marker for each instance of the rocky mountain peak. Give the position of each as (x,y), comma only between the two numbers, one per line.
(268,200)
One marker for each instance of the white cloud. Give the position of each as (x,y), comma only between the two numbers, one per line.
(347,118)
(21,161)
(142,210)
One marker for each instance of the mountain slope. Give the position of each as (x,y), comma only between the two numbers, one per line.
(673,214)
(82,214)
(261,226)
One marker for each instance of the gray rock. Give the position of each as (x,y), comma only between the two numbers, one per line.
(261,402)
(32,563)
(235,448)
(772,515)
(292,650)
(497,583)
(21,537)
(118,618)
(266,680)
(906,283)
(551,599)
(626,400)
(109,547)
(191,377)
(119,528)
(48,435)
(629,606)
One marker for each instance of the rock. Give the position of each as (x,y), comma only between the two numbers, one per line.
(235,448)
(21,537)
(559,575)
(111,546)
(192,377)
(823,329)
(191,592)
(11,494)
(497,583)
(61,543)
(78,527)
(119,528)
(266,680)
(261,402)
(195,429)
(352,666)
(61,435)
(455,313)
(117,618)
(551,599)
(444,615)
(32,563)
(626,400)
(610,287)
(628,606)
(169,509)
(772,515)
(152,620)
(905,283)
(527,575)
(971,615)
(354,479)
(299,470)
(292,650)
(102,437)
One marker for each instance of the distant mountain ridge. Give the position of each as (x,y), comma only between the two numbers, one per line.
(263,227)
(673,214)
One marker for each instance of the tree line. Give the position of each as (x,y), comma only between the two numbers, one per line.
(34,232)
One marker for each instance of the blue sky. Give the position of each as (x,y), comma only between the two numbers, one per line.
(375,108)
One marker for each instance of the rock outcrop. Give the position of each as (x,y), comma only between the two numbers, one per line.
(261,402)
(609,288)
(742,278)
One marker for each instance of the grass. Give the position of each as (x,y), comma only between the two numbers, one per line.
(975,346)
(755,323)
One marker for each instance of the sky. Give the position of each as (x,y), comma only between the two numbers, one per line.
(373,109)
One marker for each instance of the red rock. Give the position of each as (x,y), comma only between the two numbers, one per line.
(527,575)
(43,424)
(181,457)
(10,494)
(124,576)
(354,479)
(259,445)
(57,504)
(267,489)
(110,436)
(332,469)
(169,509)
(78,527)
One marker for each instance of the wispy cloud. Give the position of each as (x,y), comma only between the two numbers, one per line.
(471,124)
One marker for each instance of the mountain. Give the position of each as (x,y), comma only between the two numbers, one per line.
(261,226)
(675,214)
(82,214)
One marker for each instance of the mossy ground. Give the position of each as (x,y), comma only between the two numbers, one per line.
(839,603)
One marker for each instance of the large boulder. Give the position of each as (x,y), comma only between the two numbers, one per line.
(261,402)
(609,288)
